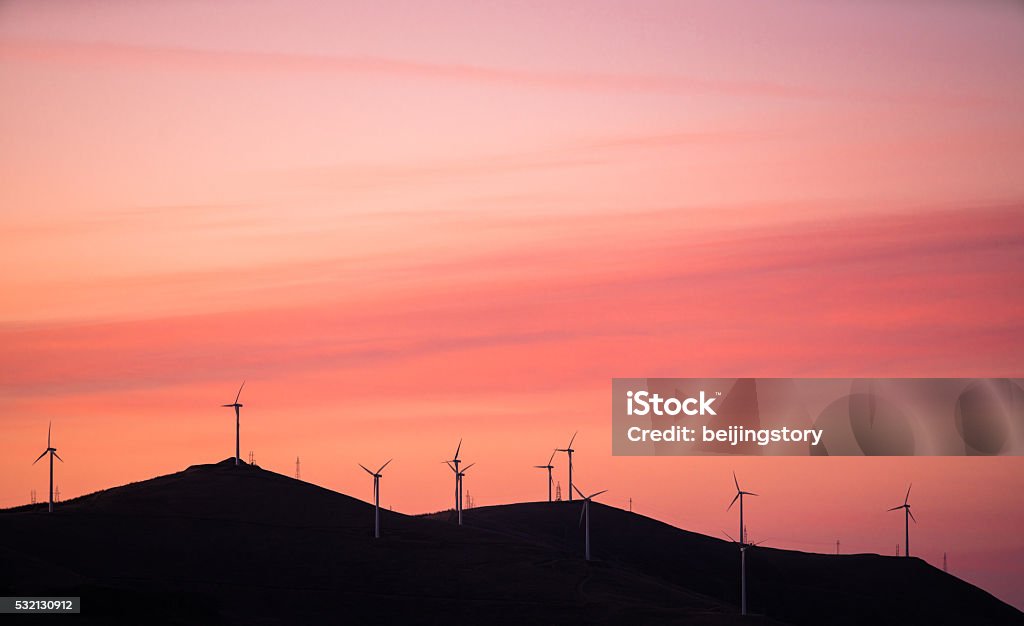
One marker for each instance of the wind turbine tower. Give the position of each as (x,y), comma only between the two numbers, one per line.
(548,467)
(237,407)
(585,516)
(743,571)
(376,494)
(907,516)
(459,474)
(568,450)
(53,453)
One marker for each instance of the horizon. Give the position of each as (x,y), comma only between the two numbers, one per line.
(463,220)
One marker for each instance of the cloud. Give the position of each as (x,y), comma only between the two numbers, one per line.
(829,295)
(241,61)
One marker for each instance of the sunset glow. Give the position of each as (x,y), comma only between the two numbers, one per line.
(463,219)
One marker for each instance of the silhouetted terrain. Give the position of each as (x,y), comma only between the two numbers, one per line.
(225,544)
(792,587)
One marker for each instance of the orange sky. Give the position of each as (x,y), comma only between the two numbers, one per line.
(463,219)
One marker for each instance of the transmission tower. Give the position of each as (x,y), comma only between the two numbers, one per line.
(33,496)
(56,494)
(252,457)
(945,563)
(298,470)
(558,490)
(837,546)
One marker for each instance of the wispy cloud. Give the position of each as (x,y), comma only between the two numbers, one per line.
(940,281)
(198,59)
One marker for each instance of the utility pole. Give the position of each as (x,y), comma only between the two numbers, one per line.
(897,549)
(837,546)
(945,564)
(33,496)
(631,505)
(298,471)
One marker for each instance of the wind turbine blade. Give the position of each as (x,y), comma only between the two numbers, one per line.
(583,512)
(41,455)
(911,515)
(456,457)
(541,466)
(907,499)
(896,507)
(735,498)
(729,536)
(596,494)
(450,466)
(239,394)
(48,428)
(758,542)
(364,469)
(466,469)
(573,439)
(62,460)
(735,480)
(552,456)
(749,493)
(383,466)
(579,492)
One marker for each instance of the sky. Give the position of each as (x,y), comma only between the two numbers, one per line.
(435,220)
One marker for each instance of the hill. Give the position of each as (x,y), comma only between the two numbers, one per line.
(789,586)
(220,544)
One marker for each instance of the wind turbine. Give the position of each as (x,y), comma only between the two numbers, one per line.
(906,519)
(236,406)
(456,461)
(743,569)
(568,449)
(585,513)
(53,453)
(548,467)
(458,487)
(376,495)
(739,496)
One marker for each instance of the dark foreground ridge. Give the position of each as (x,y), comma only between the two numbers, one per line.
(788,586)
(224,544)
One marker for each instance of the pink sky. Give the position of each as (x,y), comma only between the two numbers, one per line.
(462,219)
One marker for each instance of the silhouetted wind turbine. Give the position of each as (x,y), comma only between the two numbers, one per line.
(237,406)
(739,496)
(743,570)
(376,496)
(906,519)
(548,467)
(568,449)
(458,487)
(53,453)
(456,461)
(585,513)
